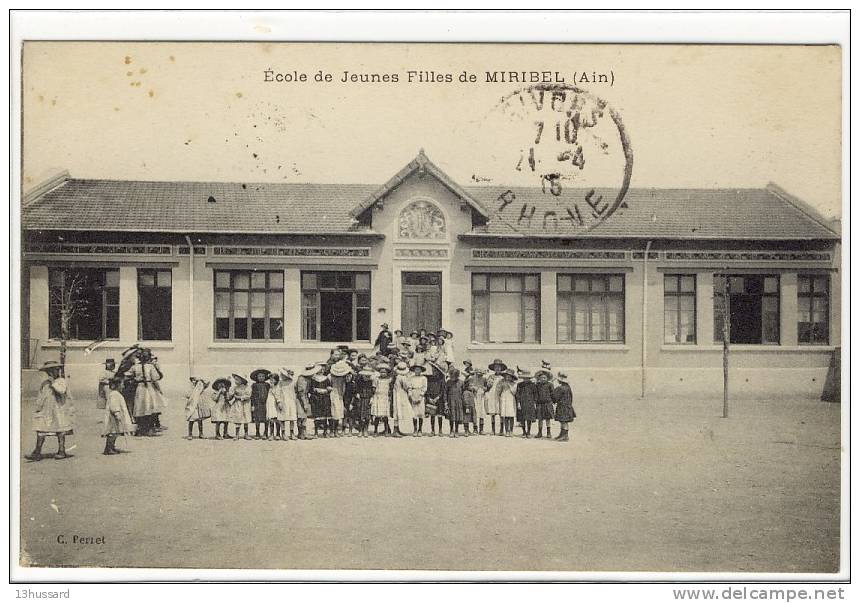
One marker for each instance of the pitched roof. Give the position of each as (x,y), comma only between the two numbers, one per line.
(142,206)
(290,208)
(748,213)
(420,163)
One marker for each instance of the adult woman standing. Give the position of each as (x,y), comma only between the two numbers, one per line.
(401,406)
(148,399)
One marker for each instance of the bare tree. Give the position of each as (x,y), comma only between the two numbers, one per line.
(72,303)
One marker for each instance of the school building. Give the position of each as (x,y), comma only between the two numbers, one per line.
(222,277)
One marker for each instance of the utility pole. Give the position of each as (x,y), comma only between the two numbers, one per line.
(727,329)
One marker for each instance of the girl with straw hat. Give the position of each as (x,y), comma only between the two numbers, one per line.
(222,394)
(196,407)
(417,389)
(506,389)
(52,413)
(543,376)
(239,412)
(491,399)
(562,395)
(286,404)
(380,407)
(320,397)
(303,402)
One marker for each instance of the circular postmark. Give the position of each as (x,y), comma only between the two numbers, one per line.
(570,154)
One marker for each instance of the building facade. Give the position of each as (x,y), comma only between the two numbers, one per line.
(227,277)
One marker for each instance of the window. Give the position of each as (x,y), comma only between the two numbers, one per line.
(336,306)
(90,297)
(154,303)
(249,305)
(506,308)
(813,308)
(753,308)
(679,308)
(590,308)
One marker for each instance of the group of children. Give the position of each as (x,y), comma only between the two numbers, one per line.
(349,392)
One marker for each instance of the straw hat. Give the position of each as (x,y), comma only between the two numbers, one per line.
(383,369)
(524,373)
(240,379)
(340,368)
(50,364)
(311,369)
(497,363)
(543,371)
(561,376)
(285,372)
(418,369)
(402,368)
(509,373)
(265,373)
(222,382)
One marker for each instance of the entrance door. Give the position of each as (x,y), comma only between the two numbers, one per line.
(421,303)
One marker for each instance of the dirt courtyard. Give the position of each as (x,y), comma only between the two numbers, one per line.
(656,485)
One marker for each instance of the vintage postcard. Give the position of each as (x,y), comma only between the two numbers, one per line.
(457,307)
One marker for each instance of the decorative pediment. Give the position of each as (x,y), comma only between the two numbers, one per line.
(422,219)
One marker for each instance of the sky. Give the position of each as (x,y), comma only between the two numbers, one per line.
(695,116)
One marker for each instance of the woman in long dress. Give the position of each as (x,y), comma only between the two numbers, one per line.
(148,399)
(53,412)
(402,407)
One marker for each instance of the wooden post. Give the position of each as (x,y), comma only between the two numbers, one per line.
(726,335)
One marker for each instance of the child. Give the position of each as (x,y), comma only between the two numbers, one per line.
(380,407)
(491,399)
(104,381)
(562,395)
(239,412)
(434,405)
(303,402)
(320,397)
(116,418)
(287,404)
(196,407)
(544,399)
(506,389)
(339,373)
(454,399)
(417,388)
(399,340)
(273,426)
(259,397)
(221,397)
(526,396)
(476,383)
(363,393)
(447,345)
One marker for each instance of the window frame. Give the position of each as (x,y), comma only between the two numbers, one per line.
(318,289)
(678,294)
(773,295)
(154,272)
(231,290)
(812,294)
(486,294)
(104,290)
(605,295)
